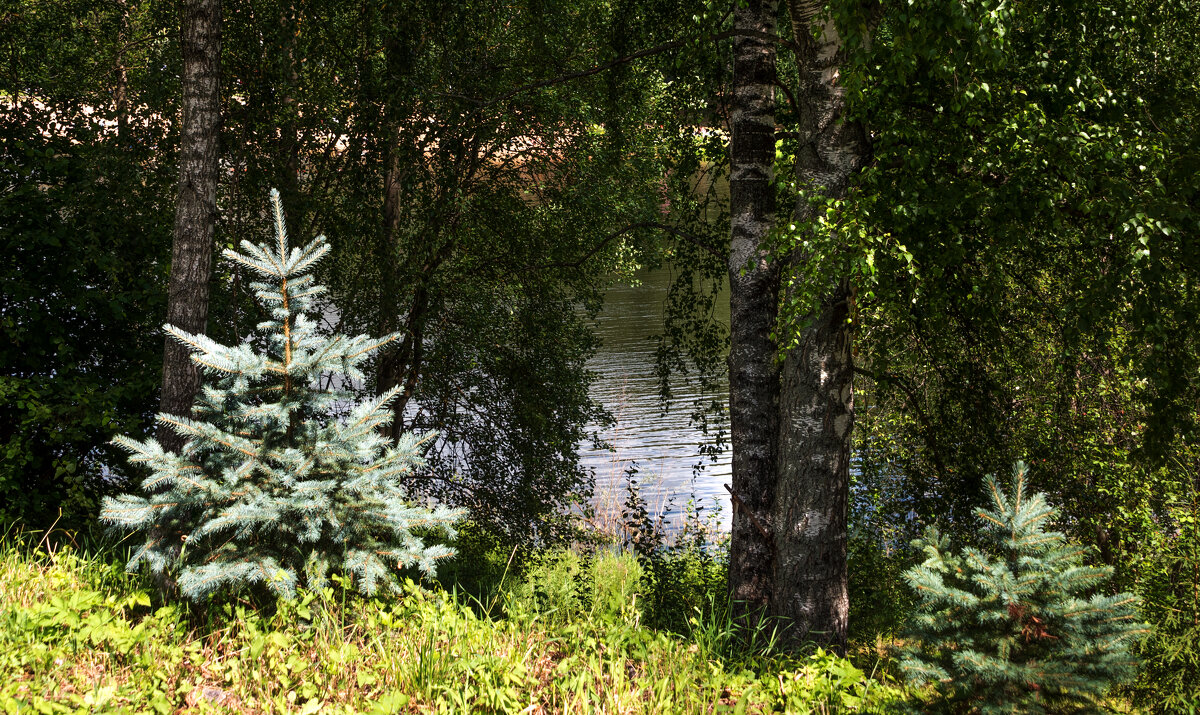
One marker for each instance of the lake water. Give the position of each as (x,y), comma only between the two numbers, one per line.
(664,445)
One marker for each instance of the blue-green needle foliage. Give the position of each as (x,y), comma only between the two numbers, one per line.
(270,489)
(1008,628)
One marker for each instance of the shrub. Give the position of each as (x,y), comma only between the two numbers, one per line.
(271,489)
(1007,628)
(1166,571)
(565,585)
(682,573)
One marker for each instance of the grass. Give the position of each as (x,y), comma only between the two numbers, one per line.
(77,635)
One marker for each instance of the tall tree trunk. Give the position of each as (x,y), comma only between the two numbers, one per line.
(816,391)
(392,362)
(754,282)
(196,208)
(400,365)
(397,365)
(289,129)
(121,92)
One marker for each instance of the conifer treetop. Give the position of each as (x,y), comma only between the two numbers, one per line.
(1010,626)
(270,488)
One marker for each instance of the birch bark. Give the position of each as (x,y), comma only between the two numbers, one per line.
(753,281)
(816,402)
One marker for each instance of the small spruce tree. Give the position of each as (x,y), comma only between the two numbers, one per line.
(1007,628)
(271,488)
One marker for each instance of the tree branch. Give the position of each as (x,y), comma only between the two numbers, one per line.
(739,504)
(571,76)
(626,59)
(693,239)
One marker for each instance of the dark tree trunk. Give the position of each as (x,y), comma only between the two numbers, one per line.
(393,362)
(754,282)
(816,394)
(196,209)
(289,132)
(400,365)
(121,91)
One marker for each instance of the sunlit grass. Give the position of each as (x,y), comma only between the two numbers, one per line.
(79,635)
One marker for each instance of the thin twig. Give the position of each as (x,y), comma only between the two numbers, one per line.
(739,504)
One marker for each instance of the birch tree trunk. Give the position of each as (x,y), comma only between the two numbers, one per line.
(816,390)
(196,207)
(754,283)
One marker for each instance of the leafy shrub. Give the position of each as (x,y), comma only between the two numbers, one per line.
(567,585)
(683,573)
(1167,573)
(1008,627)
(271,489)
(879,553)
(83,287)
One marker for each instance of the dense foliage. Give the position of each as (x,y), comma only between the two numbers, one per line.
(1021,250)
(272,488)
(86,197)
(1035,183)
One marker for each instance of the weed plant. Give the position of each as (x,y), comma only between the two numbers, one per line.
(78,634)
(683,571)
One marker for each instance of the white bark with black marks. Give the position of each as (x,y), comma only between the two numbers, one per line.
(816,390)
(754,284)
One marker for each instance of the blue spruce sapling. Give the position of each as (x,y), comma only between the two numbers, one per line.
(1009,627)
(270,488)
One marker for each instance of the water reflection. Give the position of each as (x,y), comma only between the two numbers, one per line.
(663,444)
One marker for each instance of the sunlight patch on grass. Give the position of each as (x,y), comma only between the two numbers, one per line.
(79,635)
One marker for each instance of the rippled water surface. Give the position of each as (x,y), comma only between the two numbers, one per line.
(664,446)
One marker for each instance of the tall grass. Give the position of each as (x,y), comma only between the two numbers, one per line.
(77,634)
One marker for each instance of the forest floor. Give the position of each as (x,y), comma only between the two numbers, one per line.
(78,634)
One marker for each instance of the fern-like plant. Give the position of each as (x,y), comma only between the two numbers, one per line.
(1010,627)
(270,488)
